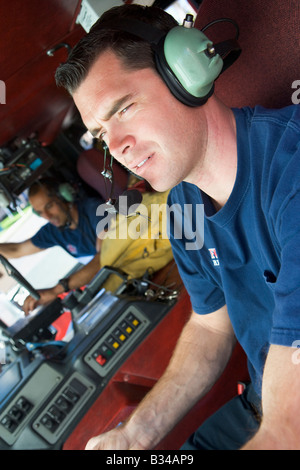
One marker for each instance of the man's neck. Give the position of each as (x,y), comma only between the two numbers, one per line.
(218,173)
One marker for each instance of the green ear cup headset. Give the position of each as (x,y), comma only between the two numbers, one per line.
(185,58)
(66,192)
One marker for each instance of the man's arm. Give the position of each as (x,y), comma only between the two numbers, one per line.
(201,354)
(78,279)
(280,427)
(17,250)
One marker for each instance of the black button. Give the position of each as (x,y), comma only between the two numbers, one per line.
(9,423)
(71,395)
(16,413)
(49,423)
(78,386)
(24,404)
(63,404)
(56,414)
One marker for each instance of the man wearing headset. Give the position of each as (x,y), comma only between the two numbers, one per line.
(243,283)
(70,225)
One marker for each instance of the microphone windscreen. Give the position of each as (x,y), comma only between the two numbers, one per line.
(129,198)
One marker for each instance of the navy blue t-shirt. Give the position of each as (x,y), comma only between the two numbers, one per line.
(250,258)
(79,242)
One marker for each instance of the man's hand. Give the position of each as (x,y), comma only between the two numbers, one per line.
(46,295)
(77,279)
(115,439)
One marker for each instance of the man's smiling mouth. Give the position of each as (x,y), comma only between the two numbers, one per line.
(142,163)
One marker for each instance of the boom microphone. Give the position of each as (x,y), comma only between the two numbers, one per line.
(128,200)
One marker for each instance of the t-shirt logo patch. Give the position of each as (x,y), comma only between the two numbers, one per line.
(214,256)
(72,249)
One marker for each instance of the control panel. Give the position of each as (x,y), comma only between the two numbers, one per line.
(66,403)
(117,340)
(20,165)
(42,400)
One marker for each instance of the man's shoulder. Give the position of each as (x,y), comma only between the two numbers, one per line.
(286,116)
(90,201)
(89,205)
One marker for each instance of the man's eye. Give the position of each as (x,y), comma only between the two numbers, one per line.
(124,110)
(49,205)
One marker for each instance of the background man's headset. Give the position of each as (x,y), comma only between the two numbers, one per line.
(188,62)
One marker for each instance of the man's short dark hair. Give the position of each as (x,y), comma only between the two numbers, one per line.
(134,52)
(46,184)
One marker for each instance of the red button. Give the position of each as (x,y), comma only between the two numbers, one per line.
(101,360)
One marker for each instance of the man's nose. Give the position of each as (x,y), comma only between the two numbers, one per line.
(120,146)
(47,215)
